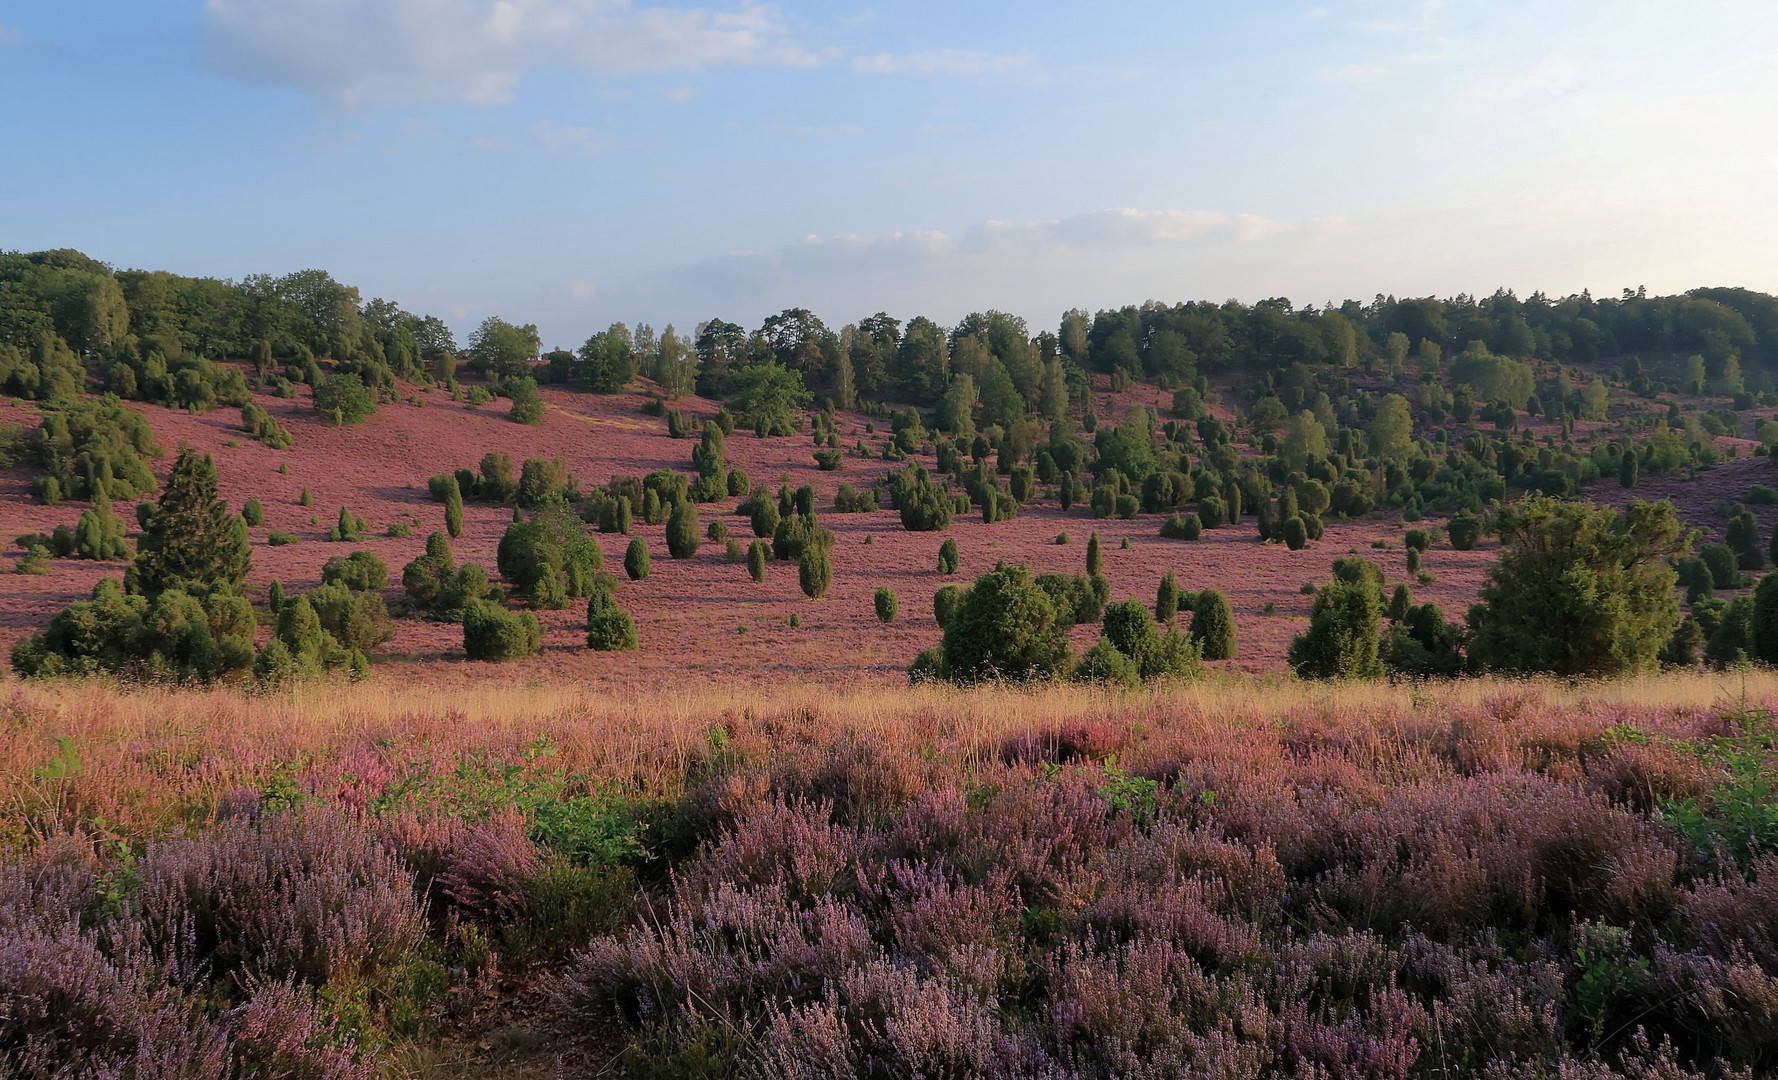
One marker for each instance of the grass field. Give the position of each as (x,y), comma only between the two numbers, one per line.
(524,876)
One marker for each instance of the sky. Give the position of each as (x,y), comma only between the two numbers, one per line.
(571,163)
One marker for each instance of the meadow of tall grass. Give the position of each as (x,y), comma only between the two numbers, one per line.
(1237,877)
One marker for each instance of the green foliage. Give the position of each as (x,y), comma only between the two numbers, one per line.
(885,604)
(191,542)
(944,604)
(1182,527)
(349,529)
(682,530)
(924,504)
(544,480)
(253,513)
(262,426)
(768,398)
(1095,557)
(757,554)
(1004,628)
(1464,530)
(1130,628)
(550,559)
(359,571)
(436,584)
(1419,641)
(814,571)
(1166,599)
(491,632)
(1579,590)
(83,447)
(947,556)
(344,399)
(172,636)
(99,534)
(609,628)
(1742,537)
(527,402)
(1731,643)
(1105,663)
(636,560)
(1342,641)
(1739,814)
(453,511)
(356,620)
(1213,625)
(1295,532)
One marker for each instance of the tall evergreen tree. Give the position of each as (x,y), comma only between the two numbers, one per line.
(191,541)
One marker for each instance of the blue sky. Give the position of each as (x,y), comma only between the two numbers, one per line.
(573,162)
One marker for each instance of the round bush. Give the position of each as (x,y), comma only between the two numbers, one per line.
(253,512)
(1296,534)
(609,628)
(1213,625)
(886,605)
(944,604)
(1465,530)
(947,556)
(1212,511)
(490,632)
(636,559)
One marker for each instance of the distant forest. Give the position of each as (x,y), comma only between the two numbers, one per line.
(156,336)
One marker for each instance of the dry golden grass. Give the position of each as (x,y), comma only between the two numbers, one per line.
(151,757)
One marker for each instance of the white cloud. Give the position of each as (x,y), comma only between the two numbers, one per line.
(557,137)
(1352,73)
(943,62)
(358,52)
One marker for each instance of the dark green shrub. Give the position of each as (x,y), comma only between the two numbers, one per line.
(756,560)
(1295,533)
(1343,639)
(738,482)
(527,403)
(356,620)
(1106,663)
(1579,589)
(253,512)
(99,535)
(947,556)
(542,480)
(1004,628)
(440,487)
(1413,560)
(924,505)
(944,604)
(734,552)
(716,532)
(358,571)
(798,534)
(1417,540)
(1464,530)
(1182,527)
(1166,599)
(281,539)
(349,529)
(1095,557)
(344,399)
(453,508)
(609,628)
(1742,537)
(192,541)
(682,530)
(1212,511)
(636,560)
(814,571)
(885,604)
(829,460)
(1213,625)
(1723,563)
(550,559)
(491,632)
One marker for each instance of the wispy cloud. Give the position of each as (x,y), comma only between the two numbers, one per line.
(558,137)
(359,52)
(9,36)
(1352,73)
(943,62)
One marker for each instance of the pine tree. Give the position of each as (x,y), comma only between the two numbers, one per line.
(192,541)
(1213,625)
(1095,560)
